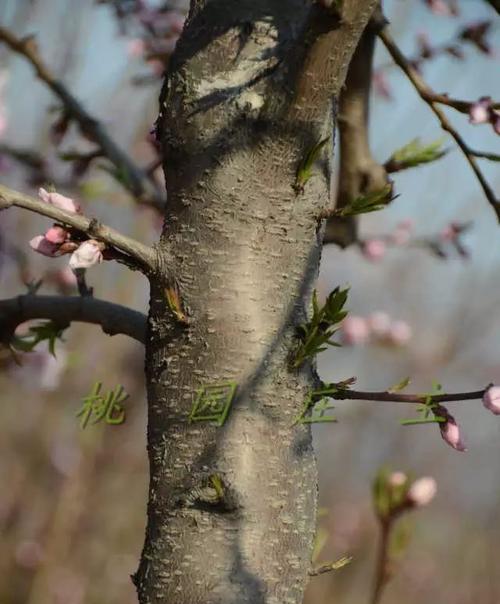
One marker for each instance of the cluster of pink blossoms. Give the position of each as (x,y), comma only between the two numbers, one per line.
(58,241)
(375,249)
(420,492)
(377,327)
(482,112)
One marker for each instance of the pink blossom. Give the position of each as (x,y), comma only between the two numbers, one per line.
(56,234)
(381,84)
(397,479)
(491,399)
(43,246)
(157,66)
(400,333)
(422,491)
(479,112)
(88,254)
(448,233)
(355,330)
(374,249)
(450,432)
(136,47)
(59,201)
(439,7)
(400,236)
(379,323)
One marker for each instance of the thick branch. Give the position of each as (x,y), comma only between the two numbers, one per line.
(137,182)
(142,254)
(113,318)
(359,172)
(330,42)
(428,97)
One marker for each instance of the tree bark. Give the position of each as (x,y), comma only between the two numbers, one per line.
(247,96)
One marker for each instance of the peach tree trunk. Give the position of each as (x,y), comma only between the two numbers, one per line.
(232,508)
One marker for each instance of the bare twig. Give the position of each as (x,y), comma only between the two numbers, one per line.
(113,318)
(397,397)
(428,97)
(143,255)
(136,181)
(382,572)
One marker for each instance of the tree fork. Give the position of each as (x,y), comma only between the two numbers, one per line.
(236,120)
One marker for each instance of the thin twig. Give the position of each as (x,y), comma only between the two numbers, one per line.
(382,572)
(397,397)
(429,98)
(143,255)
(136,181)
(113,318)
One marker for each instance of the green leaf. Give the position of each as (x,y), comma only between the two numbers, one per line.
(400,385)
(372,202)
(319,543)
(304,171)
(422,420)
(316,334)
(415,154)
(48,331)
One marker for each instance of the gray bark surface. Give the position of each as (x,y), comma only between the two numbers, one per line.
(247,96)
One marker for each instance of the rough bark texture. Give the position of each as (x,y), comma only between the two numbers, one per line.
(247,96)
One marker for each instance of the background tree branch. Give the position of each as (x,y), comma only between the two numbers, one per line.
(113,318)
(135,179)
(429,98)
(359,172)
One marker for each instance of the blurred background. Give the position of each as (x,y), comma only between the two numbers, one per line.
(73,501)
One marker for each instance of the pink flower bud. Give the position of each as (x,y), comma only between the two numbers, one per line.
(56,234)
(88,254)
(355,330)
(136,47)
(59,201)
(43,246)
(450,432)
(400,237)
(379,323)
(439,7)
(374,249)
(400,333)
(397,479)
(422,491)
(408,224)
(491,399)
(479,112)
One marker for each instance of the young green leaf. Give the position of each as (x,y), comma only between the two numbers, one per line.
(372,202)
(304,171)
(415,154)
(316,334)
